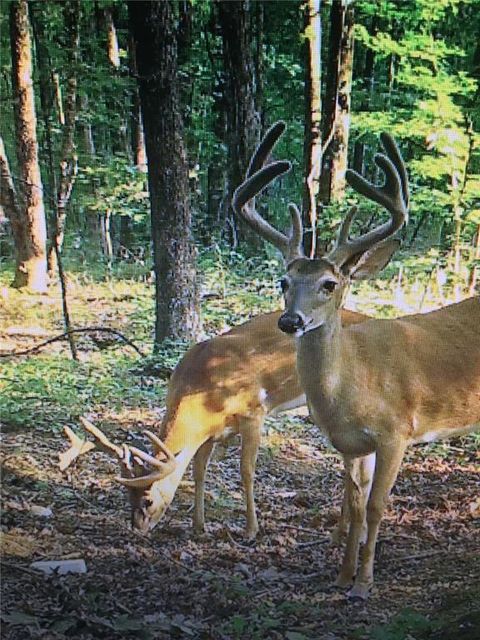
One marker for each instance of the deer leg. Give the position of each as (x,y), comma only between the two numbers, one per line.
(356,513)
(362,469)
(200,462)
(388,460)
(251,433)
(341,529)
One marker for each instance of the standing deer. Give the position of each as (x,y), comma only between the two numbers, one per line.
(376,387)
(222,386)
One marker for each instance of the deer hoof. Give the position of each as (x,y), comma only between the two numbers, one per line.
(344,579)
(360,590)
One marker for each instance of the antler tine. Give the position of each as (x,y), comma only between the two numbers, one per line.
(258,177)
(244,206)
(161,445)
(265,147)
(77,448)
(390,195)
(155,462)
(163,468)
(393,152)
(106,444)
(345,226)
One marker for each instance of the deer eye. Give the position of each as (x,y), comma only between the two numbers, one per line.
(329,286)
(284,285)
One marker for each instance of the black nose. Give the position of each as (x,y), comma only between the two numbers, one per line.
(290,322)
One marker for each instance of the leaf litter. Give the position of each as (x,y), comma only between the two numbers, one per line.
(174,584)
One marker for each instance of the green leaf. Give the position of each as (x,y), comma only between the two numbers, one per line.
(20,618)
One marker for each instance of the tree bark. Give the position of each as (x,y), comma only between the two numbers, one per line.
(154,31)
(336,120)
(242,117)
(9,200)
(138,138)
(112,40)
(31,263)
(68,155)
(313,116)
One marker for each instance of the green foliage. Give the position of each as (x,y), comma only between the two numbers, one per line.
(407,625)
(50,391)
(118,187)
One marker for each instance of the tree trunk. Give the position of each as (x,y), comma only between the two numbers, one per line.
(138,139)
(31,263)
(242,117)
(336,120)
(112,40)
(68,156)
(154,32)
(9,201)
(368,86)
(313,115)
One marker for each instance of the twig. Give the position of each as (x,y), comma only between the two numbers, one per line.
(285,525)
(19,567)
(415,556)
(63,289)
(235,542)
(312,543)
(64,335)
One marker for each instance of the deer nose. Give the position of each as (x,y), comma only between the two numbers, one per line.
(290,322)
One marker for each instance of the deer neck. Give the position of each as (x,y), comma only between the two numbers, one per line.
(168,486)
(319,359)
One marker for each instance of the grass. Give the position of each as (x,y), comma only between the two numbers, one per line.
(49,388)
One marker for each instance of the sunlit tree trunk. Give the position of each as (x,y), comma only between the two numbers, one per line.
(31,263)
(336,120)
(313,116)
(112,40)
(138,139)
(154,31)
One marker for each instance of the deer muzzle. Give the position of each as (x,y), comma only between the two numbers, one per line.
(290,322)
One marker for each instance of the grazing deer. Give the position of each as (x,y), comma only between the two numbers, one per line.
(376,387)
(226,385)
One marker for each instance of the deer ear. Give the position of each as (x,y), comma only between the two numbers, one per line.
(374,260)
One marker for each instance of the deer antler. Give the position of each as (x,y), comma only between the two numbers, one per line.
(77,448)
(258,177)
(131,458)
(393,195)
(163,467)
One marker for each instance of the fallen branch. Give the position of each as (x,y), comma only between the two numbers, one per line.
(66,335)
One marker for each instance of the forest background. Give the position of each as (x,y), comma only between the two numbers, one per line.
(93,90)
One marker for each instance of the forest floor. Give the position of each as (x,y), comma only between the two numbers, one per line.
(174,584)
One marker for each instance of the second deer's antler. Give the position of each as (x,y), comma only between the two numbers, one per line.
(131,458)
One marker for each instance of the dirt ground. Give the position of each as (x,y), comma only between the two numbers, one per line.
(174,584)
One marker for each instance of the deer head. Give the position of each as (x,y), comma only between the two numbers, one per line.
(314,289)
(140,472)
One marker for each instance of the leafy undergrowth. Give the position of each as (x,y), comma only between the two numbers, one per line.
(174,584)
